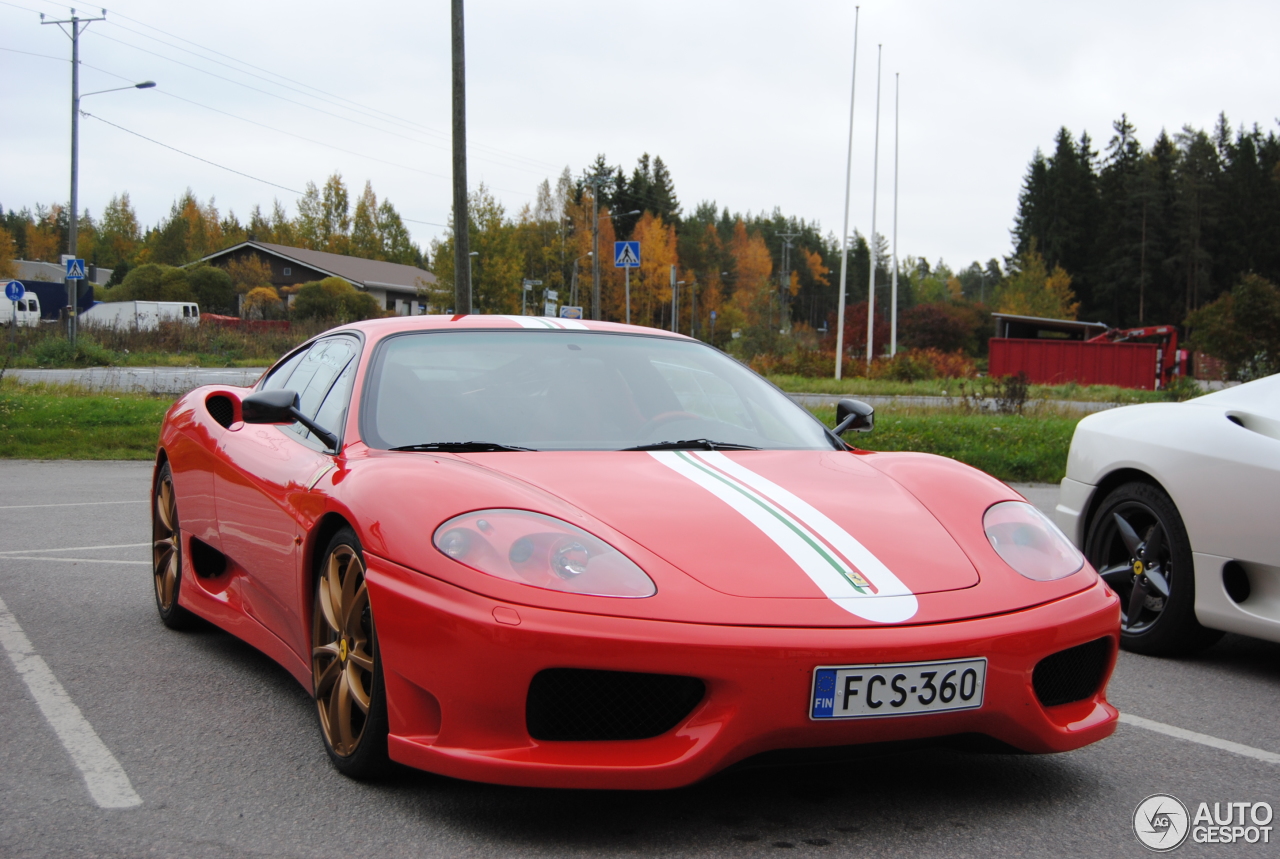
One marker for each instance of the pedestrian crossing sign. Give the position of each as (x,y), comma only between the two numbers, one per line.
(626,254)
(75,269)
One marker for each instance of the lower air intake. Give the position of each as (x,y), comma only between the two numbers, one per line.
(575,704)
(1073,674)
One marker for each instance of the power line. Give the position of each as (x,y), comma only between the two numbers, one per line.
(403,120)
(189,155)
(263,125)
(307,139)
(304,105)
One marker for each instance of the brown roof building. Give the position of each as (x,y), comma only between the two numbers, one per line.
(394,285)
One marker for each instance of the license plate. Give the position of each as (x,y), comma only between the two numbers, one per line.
(897,689)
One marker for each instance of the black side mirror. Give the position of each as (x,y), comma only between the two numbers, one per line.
(850,415)
(280,406)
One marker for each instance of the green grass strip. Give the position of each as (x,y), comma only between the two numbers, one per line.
(1014,448)
(46,422)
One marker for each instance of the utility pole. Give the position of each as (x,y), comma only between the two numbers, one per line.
(595,247)
(784,280)
(844,235)
(78,26)
(674,287)
(875,181)
(461,226)
(693,308)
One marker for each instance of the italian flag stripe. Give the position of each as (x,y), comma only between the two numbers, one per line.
(860,584)
(833,559)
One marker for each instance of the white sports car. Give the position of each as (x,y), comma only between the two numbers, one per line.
(1176,505)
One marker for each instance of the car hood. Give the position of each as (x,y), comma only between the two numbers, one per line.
(767,524)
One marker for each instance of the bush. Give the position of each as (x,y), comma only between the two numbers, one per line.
(334,298)
(212,289)
(153,282)
(1242,328)
(946,327)
(58,351)
(262,302)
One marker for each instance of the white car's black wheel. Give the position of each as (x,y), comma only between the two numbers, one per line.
(346,672)
(1139,546)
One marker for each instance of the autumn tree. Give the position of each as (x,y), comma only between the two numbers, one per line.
(1031,290)
(7,250)
(45,238)
(119,234)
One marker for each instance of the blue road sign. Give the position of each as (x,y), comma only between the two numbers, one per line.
(568,312)
(75,269)
(14,290)
(626,254)
(713,314)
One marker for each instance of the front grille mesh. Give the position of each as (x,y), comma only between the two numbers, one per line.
(574,704)
(1072,674)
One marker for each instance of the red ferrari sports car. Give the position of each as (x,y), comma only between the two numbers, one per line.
(546,552)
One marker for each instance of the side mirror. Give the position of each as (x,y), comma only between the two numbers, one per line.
(850,415)
(280,406)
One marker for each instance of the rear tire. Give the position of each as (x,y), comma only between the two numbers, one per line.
(346,667)
(1164,625)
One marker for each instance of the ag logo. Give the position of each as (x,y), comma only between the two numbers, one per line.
(1160,821)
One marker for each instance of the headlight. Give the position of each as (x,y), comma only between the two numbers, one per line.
(542,551)
(1030,542)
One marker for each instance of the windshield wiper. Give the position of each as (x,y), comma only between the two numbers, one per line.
(460,446)
(692,444)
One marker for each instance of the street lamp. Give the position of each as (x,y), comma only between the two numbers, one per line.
(73,221)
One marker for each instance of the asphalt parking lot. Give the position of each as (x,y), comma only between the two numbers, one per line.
(206,748)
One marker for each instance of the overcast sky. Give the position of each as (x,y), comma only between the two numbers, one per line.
(746,101)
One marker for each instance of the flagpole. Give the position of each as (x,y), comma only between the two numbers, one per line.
(875,182)
(893,312)
(848,177)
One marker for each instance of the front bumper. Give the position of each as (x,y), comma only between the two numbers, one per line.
(458,665)
(1073,501)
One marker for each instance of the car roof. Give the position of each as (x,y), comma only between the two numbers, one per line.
(378,328)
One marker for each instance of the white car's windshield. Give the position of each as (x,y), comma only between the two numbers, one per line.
(579,390)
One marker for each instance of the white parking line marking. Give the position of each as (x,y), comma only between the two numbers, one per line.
(73,560)
(103,775)
(1202,739)
(73,504)
(73,549)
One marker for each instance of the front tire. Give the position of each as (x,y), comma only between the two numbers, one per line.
(1138,544)
(166,552)
(346,667)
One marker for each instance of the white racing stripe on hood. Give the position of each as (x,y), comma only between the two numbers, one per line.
(845,570)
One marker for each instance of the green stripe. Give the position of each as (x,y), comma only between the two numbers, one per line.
(817,547)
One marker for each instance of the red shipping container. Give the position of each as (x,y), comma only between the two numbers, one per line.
(1056,362)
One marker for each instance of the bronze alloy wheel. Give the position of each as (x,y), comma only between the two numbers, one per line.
(166,551)
(344,670)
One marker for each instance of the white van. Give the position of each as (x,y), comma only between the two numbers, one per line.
(28,312)
(143,315)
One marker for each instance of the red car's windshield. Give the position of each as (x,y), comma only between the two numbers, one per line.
(572,390)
